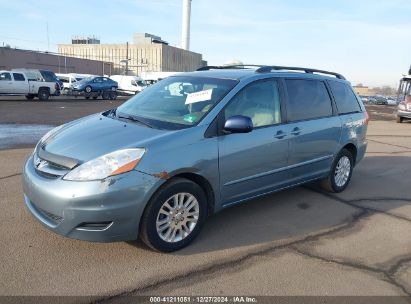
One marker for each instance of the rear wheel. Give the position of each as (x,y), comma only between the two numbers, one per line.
(105,95)
(95,97)
(113,95)
(399,119)
(44,94)
(174,216)
(341,172)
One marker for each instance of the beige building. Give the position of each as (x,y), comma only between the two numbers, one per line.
(363,90)
(147,53)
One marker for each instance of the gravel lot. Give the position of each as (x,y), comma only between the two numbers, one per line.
(297,242)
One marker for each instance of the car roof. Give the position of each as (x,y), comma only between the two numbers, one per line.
(240,74)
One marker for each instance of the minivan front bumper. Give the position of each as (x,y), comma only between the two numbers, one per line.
(102,211)
(404,114)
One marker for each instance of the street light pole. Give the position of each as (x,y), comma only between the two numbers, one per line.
(126,71)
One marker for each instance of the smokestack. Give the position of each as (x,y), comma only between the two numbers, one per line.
(185,34)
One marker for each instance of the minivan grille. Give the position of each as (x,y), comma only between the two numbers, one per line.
(48,169)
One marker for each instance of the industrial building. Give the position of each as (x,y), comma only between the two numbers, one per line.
(11,58)
(146,53)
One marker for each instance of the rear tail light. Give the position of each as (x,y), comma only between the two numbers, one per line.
(367,117)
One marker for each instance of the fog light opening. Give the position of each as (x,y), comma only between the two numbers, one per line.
(99,226)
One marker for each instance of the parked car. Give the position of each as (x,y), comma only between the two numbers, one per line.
(130,85)
(96,84)
(392,101)
(372,100)
(380,100)
(365,99)
(160,163)
(68,81)
(30,84)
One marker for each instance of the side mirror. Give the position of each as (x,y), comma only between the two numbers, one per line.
(238,124)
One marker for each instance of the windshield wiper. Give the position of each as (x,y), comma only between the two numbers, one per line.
(132,118)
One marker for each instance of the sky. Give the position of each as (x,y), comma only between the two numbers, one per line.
(368,41)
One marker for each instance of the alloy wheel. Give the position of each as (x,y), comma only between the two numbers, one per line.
(177,217)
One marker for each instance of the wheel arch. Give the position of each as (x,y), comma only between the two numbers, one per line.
(204,184)
(44,88)
(353,150)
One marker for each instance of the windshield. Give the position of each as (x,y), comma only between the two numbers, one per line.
(86,79)
(177,102)
(404,89)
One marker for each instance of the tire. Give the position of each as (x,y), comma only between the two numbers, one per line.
(30,96)
(44,94)
(398,119)
(335,182)
(113,95)
(163,241)
(88,89)
(87,97)
(95,97)
(105,95)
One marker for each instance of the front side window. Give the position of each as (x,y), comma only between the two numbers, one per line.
(5,77)
(260,101)
(177,102)
(18,77)
(307,99)
(344,98)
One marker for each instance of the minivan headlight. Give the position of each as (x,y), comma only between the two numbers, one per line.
(114,163)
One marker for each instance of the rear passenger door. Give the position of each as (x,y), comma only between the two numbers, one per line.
(251,164)
(314,129)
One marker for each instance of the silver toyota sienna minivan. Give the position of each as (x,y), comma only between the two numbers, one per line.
(191,145)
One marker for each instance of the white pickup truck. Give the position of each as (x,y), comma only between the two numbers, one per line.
(28,83)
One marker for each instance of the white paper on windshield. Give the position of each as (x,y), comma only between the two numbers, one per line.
(199,96)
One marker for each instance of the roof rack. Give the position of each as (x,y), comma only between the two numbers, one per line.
(222,67)
(267,69)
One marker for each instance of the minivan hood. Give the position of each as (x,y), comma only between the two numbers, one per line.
(96,135)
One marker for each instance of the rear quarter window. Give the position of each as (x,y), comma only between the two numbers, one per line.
(18,77)
(307,99)
(345,98)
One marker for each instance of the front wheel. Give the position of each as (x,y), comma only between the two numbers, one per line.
(341,172)
(174,216)
(87,89)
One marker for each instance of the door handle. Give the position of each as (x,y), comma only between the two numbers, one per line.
(296,131)
(280,134)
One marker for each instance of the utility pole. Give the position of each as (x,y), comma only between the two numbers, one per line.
(126,71)
(48,37)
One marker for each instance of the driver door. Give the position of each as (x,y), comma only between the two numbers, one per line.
(253,163)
